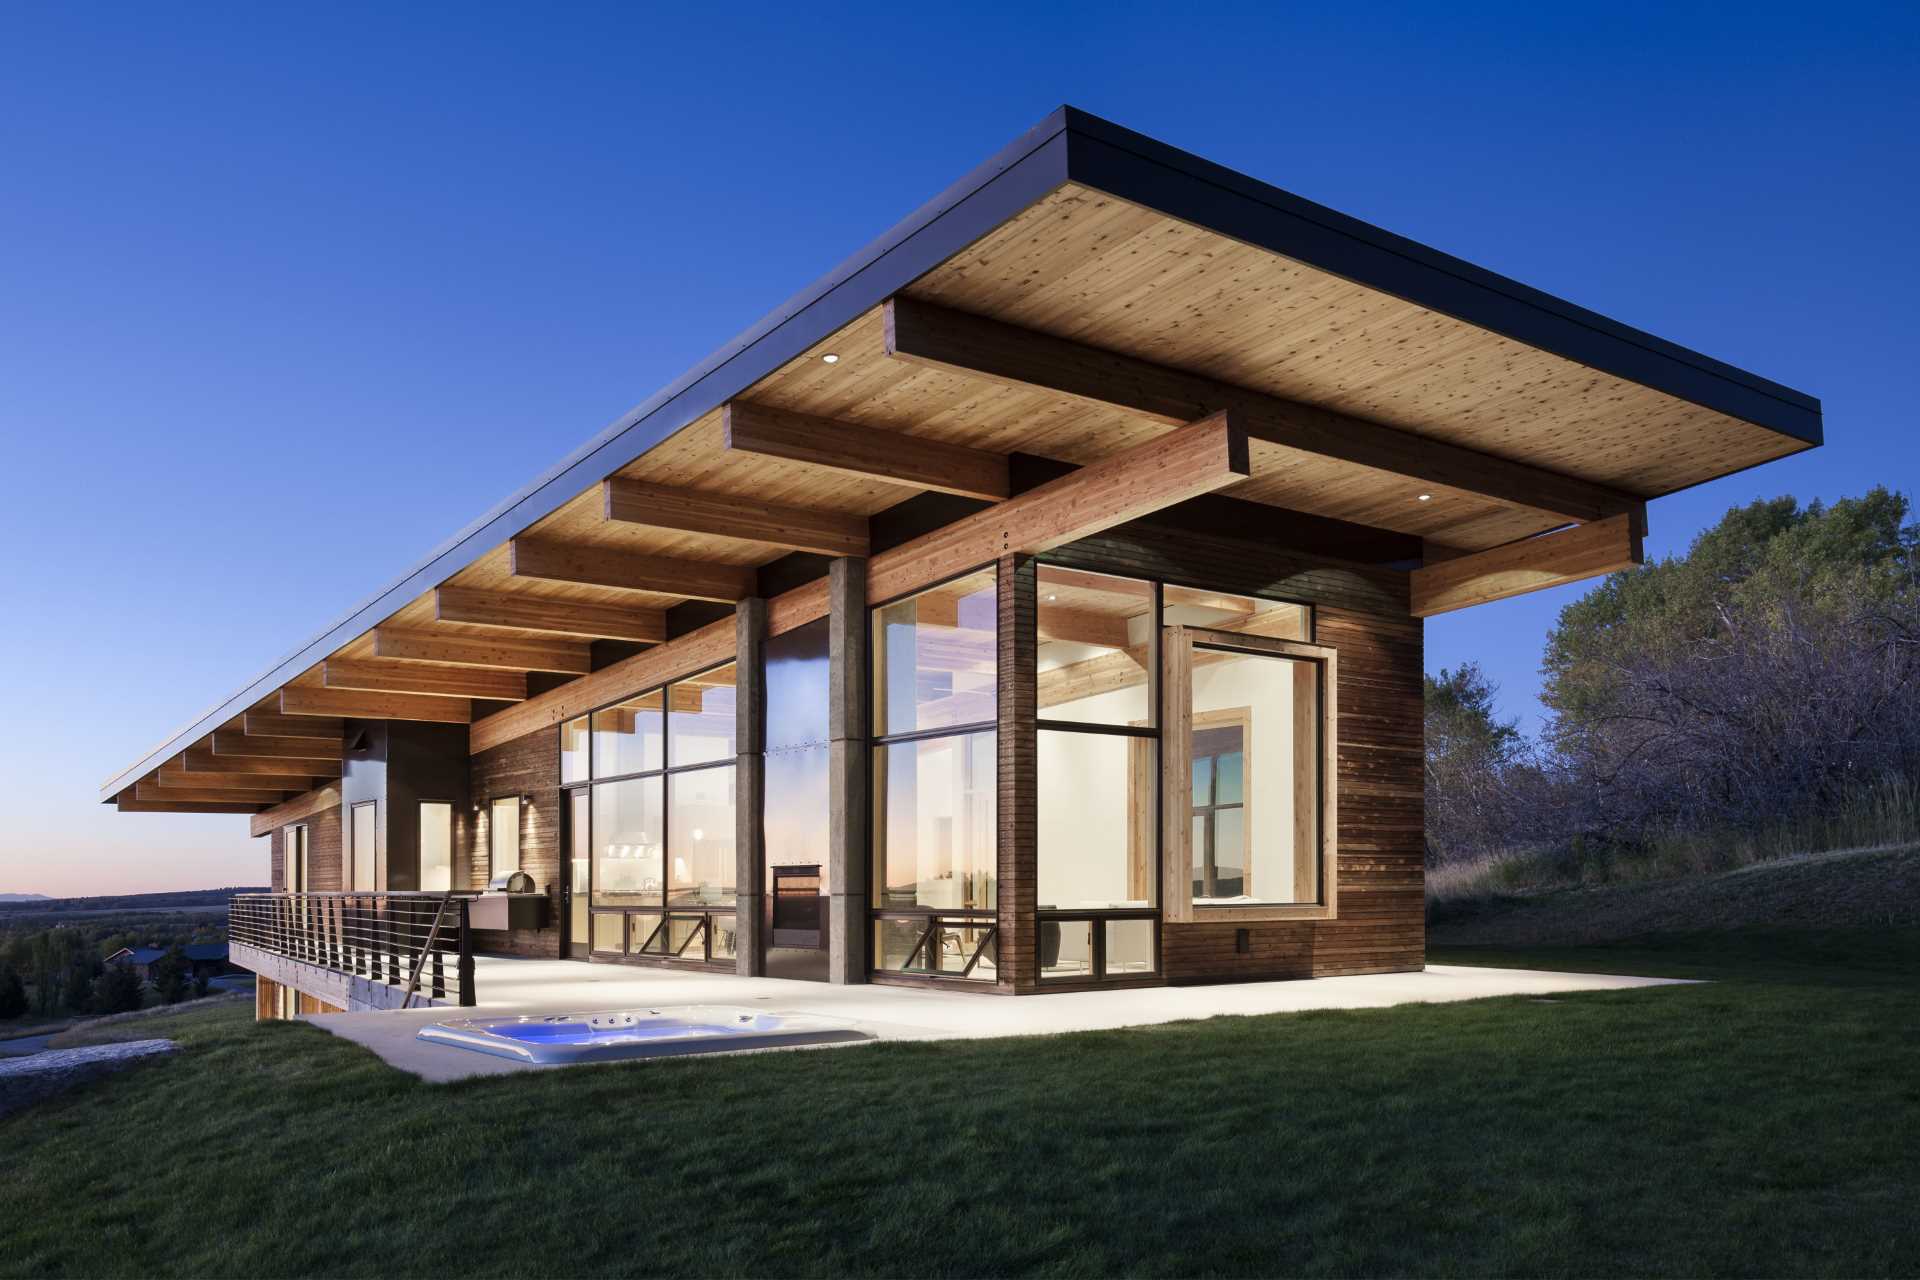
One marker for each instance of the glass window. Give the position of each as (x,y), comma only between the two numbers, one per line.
(648,936)
(363,849)
(436,846)
(573,750)
(934,806)
(1066,949)
(503,837)
(1248,615)
(1097,805)
(724,938)
(628,738)
(1255,747)
(1093,647)
(700,711)
(295,854)
(700,837)
(580,859)
(628,843)
(609,932)
(798,809)
(935,658)
(1129,948)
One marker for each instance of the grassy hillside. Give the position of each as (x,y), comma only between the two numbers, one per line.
(1868,889)
(1759,1125)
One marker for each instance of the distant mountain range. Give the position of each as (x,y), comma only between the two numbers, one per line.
(24,897)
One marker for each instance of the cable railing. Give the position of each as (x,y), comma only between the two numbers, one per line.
(419,942)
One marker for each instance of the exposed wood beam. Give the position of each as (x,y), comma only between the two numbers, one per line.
(1198,458)
(514,612)
(868,452)
(1123,669)
(552,561)
(386,675)
(271,724)
(304,700)
(682,656)
(568,657)
(659,506)
(204,795)
(1532,564)
(1082,626)
(319,800)
(126,802)
(1053,575)
(202,760)
(935,337)
(264,782)
(239,744)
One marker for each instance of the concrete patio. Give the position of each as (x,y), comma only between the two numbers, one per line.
(514,987)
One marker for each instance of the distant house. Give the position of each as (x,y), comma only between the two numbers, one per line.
(207,959)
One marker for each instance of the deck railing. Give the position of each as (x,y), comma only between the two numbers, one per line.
(419,942)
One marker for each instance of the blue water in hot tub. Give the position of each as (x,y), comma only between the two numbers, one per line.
(635,1033)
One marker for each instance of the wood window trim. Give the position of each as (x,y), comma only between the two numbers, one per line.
(1176,764)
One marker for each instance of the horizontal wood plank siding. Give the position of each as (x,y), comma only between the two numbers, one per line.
(527,766)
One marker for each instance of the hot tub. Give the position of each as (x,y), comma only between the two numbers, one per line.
(636,1033)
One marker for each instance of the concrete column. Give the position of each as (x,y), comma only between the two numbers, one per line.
(848,931)
(750,785)
(1018,747)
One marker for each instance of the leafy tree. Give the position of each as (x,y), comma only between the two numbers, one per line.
(171,975)
(13,993)
(77,993)
(117,990)
(1483,784)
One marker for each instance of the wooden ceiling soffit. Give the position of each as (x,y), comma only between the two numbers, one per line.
(658,506)
(387,675)
(553,561)
(936,337)
(304,700)
(290,782)
(683,656)
(319,800)
(204,795)
(867,452)
(202,760)
(271,724)
(566,657)
(514,612)
(226,743)
(1532,564)
(1199,458)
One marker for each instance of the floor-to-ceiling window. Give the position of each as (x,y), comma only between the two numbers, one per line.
(798,802)
(1096,659)
(935,770)
(436,846)
(651,811)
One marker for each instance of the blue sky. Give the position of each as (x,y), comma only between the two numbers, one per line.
(288,294)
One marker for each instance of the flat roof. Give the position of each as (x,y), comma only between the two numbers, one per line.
(1070,163)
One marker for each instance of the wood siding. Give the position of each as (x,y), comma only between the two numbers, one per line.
(323,853)
(527,766)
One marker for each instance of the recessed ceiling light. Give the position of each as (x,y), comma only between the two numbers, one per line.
(1426,497)
(830,358)
(1050,599)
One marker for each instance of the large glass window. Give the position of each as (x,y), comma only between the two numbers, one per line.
(1244,615)
(362,845)
(629,843)
(934,823)
(1097,816)
(574,737)
(1094,648)
(935,658)
(700,838)
(436,846)
(1254,757)
(935,775)
(653,821)
(630,737)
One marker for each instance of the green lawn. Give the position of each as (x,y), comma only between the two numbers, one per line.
(1763,1125)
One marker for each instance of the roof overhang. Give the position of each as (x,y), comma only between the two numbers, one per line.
(1069,150)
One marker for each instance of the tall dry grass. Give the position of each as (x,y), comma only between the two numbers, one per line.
(1881,816)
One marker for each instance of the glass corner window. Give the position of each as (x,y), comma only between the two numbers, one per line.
(936,657)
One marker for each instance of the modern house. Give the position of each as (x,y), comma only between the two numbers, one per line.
(1034,603)
(204,959)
